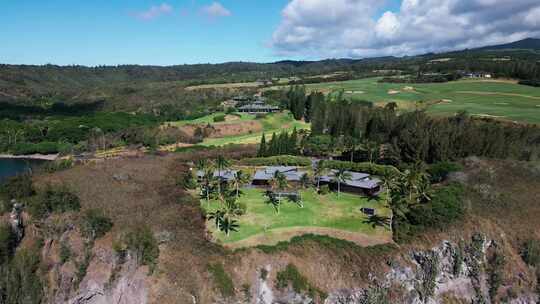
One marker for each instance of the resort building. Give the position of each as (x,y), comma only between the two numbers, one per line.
(258,107)
(357,183)
(263,177)
(225,175)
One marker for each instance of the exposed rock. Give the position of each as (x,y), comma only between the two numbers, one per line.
(442,268)
(16,220)
(121,177)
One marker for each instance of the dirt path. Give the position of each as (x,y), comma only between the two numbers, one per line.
(274,236)
(500,94)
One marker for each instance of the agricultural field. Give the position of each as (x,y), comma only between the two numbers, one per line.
(330,215)
(505,100)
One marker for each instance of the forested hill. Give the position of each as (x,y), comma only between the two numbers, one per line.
(130,86)
(525,44)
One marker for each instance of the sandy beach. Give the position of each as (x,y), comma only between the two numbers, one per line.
(31,156)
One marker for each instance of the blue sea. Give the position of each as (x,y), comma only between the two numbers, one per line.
(12,167)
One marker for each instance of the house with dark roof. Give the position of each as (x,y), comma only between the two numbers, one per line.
(362,183)
(263,176)
(257,107)
(224,176)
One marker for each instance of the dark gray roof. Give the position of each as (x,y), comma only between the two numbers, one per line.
(291,173)
(357,180)
(227,175)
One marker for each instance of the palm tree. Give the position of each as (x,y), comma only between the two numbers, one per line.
(227,225)
(217,216)
(272,200)
(297,199)
(319,171)
(221,164)
(239,179)
(207,180)
(305,180)
(378,221)
(279,181)
(389,181)
(341,176)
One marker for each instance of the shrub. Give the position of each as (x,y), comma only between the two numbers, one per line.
(95,224)
(324,190)
(65,252)
(187,180)
(531,252)
(20,282)
(57,165)
(219,118)
(446,206)
(53,199)
(369,168)
(222,280)
(7,243)
(17,187)
(45,147)
(441,170)
(291,276)
(143,244)
(282,160)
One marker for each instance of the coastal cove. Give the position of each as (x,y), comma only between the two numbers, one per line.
(13,166)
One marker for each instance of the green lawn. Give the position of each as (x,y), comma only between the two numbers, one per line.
(327,211)
(501,99)
(209,119)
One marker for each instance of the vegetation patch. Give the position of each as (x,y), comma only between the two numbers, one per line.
(281,160)
(291,277)
(221,279)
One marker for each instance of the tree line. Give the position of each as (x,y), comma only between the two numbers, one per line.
(415,136)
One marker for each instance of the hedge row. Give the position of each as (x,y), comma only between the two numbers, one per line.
(281,160)
(369,168)
(45,147)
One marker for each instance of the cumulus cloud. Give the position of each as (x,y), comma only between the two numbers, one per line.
(154,12)
(355,28)
(215,10)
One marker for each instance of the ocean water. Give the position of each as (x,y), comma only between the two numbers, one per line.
(12,167)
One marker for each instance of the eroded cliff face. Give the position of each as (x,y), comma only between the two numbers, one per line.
(91,273)
(464,272)
(476,270)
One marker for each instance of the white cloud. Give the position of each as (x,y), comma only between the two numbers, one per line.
(343,28)
(154,12)
(215,10)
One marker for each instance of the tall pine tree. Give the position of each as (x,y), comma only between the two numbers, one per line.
(262,147)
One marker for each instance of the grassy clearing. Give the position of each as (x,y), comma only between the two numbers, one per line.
(209,119)
(501,99)
(276,122)
(326,214)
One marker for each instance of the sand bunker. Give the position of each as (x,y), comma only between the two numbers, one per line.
(393,92)
(409,89)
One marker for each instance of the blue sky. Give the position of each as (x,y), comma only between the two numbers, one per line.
(109,32)
(168,32)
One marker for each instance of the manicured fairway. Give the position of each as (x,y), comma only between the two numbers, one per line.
(328,214)
(505,100)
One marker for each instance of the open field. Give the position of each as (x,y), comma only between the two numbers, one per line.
(249,128)
(492,98)
(326,215)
